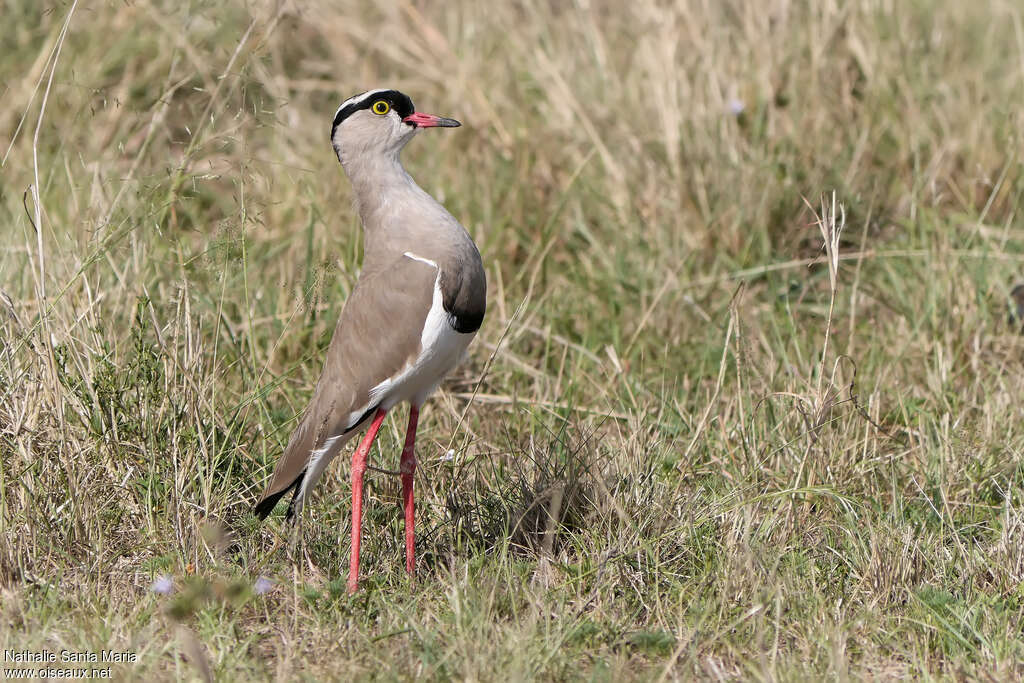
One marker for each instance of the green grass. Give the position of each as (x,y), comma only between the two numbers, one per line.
(685,445)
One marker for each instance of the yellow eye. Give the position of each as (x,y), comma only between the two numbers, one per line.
(381,107)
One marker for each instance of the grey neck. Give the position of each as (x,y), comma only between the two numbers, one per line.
(397,214)
(377,180)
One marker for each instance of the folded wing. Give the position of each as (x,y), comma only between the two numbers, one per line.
(377,336)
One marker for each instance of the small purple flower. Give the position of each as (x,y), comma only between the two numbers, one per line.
(736,106)
(164,585)
(263,585)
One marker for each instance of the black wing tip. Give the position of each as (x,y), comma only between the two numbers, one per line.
(266,506)
(466,322)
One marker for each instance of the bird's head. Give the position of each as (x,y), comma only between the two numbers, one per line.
(379,122)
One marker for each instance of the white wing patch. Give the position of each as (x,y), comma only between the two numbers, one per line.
(421,259)
(432,339)
(437,318)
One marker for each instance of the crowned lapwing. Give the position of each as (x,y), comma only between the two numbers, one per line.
(416,306)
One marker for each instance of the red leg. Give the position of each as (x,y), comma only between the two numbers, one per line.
(358,469)
(408,467)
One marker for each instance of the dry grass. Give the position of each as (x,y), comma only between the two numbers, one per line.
(732,430)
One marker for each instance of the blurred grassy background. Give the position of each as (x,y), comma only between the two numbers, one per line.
(694,450)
